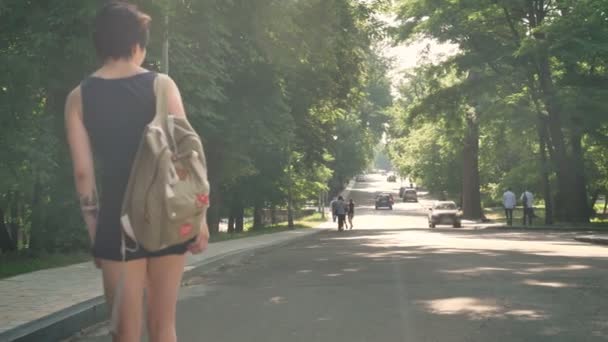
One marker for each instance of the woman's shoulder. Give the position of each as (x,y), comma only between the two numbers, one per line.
(74,96)
(73,103)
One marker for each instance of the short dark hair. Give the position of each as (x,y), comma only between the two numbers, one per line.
(118,27)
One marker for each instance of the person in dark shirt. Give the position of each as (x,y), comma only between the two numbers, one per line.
(351,212)
(105,118)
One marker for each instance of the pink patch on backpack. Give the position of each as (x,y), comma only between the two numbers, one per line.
(185,229)
(202,200)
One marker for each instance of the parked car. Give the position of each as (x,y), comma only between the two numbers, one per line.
(360,178)
(410,195)
(445,212)
(392,178)
(384,201)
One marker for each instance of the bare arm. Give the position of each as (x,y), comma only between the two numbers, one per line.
(82,160)
(175,103)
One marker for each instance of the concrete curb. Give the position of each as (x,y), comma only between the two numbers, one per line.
(549,228)
(59,325)
(592,239)
(67,322)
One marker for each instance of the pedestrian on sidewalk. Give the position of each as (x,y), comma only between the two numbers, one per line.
(351,212)
(509,202)
(333,205)
(341,210)
(105,118)
(527,199)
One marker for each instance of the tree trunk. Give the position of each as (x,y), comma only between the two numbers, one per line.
(214,154)
(605,203)
(231,223)
(320,202)
(569,206)
(258,222)
(594,197)
(6,241)
(290,223)
(38,238)
(323,201)
(273,215)
(213,213)
(239,224)
(471,195)
(544,165)
(581,210)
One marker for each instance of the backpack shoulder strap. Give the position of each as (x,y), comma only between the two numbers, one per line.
(162,116)
(161,91)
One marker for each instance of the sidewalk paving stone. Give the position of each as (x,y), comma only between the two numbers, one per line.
(33,299)
(33,296)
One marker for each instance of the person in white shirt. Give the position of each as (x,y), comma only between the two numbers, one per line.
(527,200)
(332,205)
(509,202)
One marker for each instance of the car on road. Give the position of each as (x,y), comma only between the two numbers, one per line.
(391,179)
(445,212)
(384,201)
(360,178)
(410,195)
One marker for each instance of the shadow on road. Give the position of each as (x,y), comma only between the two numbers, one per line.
(410,285)
(542,289)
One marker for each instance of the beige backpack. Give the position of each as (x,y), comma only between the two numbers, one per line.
(168,193)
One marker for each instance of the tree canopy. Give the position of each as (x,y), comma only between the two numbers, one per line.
(289,98)
(525,85)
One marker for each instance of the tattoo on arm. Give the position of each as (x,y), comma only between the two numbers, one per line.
(89,204)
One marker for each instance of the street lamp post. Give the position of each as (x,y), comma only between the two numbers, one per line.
(165,53)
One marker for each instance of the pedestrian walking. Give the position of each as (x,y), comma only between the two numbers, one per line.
(527,199)
(105,117)
(509,202)
(332,205)
(351,212)
(341,210)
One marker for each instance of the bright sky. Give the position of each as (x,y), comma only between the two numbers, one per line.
(409,55)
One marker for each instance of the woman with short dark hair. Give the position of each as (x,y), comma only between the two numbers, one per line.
(105,118)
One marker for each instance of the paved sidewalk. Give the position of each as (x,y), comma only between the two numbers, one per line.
(29,297)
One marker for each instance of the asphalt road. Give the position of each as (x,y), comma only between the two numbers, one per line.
(393,279)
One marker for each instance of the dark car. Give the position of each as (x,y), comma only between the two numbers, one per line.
(360,178)
(410,195)
(444,212)
(384,201)
(392,178)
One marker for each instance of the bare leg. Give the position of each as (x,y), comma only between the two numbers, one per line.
(130,308)
(164,280)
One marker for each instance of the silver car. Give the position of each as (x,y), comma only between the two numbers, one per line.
(445,212)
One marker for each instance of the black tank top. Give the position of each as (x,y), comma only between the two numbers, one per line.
(115,113)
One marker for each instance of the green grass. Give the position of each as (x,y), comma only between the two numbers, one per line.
(498,215)
(12,264)
(305,222)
